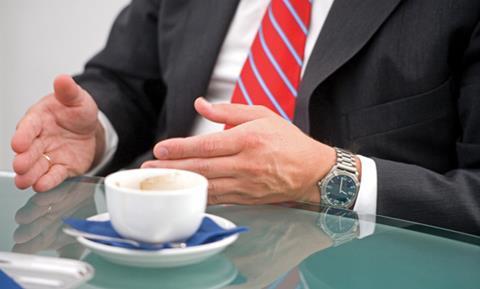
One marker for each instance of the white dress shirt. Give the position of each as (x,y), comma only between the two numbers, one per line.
(231,58)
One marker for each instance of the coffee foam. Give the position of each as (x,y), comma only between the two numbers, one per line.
(173,181)
(159,182)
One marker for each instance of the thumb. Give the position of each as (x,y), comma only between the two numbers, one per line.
(229,113)
(67,91)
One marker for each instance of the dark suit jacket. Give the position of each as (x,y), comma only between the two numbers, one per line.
(395,80)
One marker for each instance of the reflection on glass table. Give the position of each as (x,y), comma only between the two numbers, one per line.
(288,246)
(40,219)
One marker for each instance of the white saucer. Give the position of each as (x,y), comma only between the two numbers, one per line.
(163,258)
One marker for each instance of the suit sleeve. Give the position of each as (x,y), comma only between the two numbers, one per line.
(125,80)
(451,199)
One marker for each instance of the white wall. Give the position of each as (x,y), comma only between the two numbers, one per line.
(3,102)
(38,40)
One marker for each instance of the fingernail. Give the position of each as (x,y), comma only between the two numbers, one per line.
(145,165)
(161,152)
(204,101)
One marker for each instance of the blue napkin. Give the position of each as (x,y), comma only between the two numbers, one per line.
(208,232)
(7,283)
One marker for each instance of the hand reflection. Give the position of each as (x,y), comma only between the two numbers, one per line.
(279,239)
(40,219)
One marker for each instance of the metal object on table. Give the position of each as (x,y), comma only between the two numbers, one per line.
(136,244)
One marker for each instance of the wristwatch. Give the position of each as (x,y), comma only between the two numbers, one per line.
(339,188)
(340,225)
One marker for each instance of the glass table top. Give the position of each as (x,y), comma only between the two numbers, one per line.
(288,246)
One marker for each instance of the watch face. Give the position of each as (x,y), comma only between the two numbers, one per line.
(341,190)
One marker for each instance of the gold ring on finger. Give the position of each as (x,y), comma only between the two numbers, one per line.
(49,160)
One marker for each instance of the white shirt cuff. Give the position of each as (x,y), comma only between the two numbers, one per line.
(111,144)
(366,204)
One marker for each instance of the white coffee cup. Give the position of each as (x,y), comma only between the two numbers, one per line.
(170,213)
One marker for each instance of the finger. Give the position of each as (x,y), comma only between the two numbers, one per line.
(24,161)
(25,248)
(209,168)
(29,128)
(56,196)
(40,242)
(223,143)
(39,168)
(229,113)
(27,232)
(39,205)
(55,176)
(67,91)
(30,212)
(72,250)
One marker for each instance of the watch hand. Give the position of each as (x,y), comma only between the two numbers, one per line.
(341,185)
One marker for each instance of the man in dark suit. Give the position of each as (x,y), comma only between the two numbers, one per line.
(397,81)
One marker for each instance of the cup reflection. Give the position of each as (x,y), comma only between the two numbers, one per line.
(215,272)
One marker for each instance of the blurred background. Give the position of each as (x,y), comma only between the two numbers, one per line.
(38,40)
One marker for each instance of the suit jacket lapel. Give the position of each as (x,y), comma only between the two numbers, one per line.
(207,23)
(349,26)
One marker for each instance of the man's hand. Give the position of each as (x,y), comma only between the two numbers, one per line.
(262,159)
(64,126)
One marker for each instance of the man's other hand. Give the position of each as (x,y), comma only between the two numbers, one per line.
(57,138)
(261,159)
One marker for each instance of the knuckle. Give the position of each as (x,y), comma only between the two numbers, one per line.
(32,110)
(252,140)
(208,147)
(256,199)
(213,199)
(252,171)
(20,166)
(203,167)
(40,184)
(244,167)
(262,110)
(13,142)
(212,188)
(55,180)
(26,182)
(176,149)
(37,150)
(235,166)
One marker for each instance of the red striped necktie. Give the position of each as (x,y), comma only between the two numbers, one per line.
(271,73)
